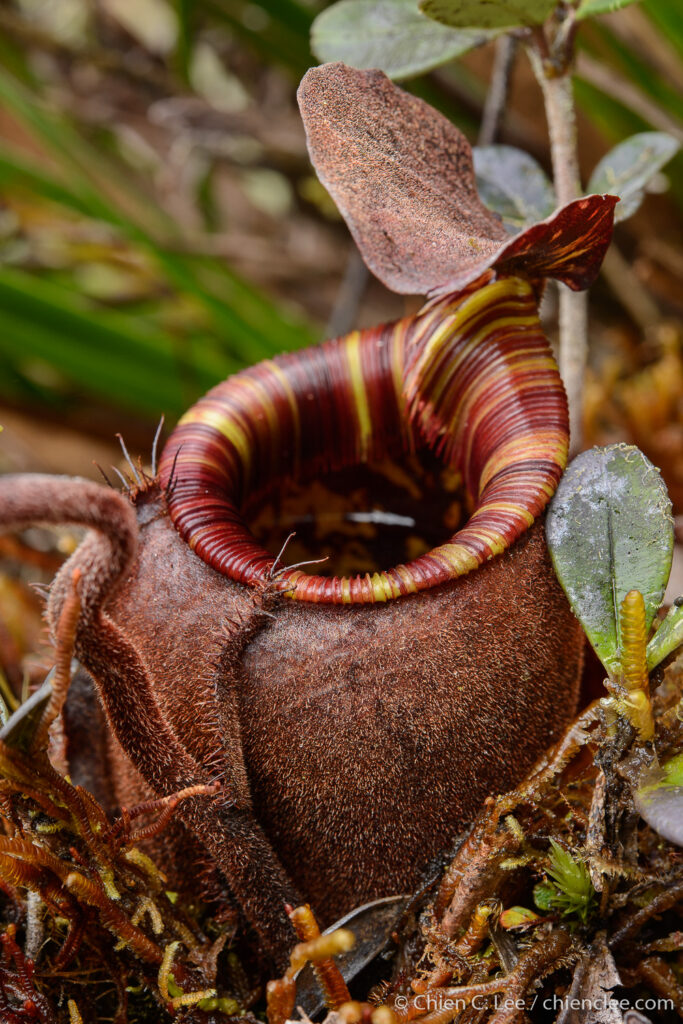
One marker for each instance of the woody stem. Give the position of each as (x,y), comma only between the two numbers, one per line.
(553,71)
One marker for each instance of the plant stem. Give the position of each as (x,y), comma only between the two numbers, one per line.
(349,296)
(554,77)
(496,97)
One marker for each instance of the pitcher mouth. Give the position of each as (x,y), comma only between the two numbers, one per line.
(472,377)
(358,520)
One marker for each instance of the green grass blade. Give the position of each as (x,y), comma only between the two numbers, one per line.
(252,326)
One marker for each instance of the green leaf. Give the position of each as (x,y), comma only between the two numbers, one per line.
(282,36)
(666,15)
(388,34)
(109,353)
(673,771)
(488,14)
(544,895)
(104,188)
(517,917)
(609,530)
(589,8)
(512,184)
(668,637)
(626,170)
(659,799)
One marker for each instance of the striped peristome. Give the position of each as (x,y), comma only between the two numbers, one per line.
(472,376)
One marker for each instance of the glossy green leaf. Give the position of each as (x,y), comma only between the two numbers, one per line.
(389,34)
(626,170)
(668,637)
(589,8)
(659,799)
(488,13)
(512,184)
(609,530)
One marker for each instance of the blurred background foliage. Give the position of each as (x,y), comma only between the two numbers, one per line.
(160,225)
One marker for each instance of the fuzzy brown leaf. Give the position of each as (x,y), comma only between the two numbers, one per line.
(402,177)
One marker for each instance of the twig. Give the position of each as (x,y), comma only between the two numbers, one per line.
(35,927)
(554,77)
(351,290)
(496,97)
(628,289)
(609,81)
(665,900)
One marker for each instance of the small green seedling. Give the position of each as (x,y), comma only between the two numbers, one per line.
(568,890)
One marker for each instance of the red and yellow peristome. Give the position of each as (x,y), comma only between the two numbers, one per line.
(472,376)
